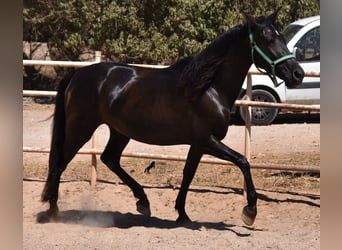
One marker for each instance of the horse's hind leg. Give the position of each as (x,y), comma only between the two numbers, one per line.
(111,157)
(194,156)
(76,135)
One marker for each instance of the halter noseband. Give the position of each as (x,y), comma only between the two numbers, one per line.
(273,64)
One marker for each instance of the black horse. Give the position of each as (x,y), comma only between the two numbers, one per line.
(186,103)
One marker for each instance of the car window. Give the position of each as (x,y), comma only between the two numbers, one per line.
(308,47)
(290,31)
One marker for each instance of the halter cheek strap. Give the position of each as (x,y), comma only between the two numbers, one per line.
(273,64)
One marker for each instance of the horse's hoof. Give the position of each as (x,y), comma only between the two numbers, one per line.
(144,208)
(248,215)
(42,217)
(48,216)
(52,213)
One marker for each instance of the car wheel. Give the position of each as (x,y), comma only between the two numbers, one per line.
(261,115)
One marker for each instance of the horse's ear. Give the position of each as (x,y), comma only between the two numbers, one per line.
(274,16)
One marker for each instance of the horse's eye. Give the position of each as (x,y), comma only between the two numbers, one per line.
(268,34)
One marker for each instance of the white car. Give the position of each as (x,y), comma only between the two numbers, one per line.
(303,40)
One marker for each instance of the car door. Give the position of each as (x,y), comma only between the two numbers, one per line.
(307,51)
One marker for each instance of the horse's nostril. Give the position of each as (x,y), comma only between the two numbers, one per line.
(298,74)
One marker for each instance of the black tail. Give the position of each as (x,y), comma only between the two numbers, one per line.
(58,132)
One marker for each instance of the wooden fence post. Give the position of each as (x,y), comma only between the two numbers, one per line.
(248,119)
(94,141)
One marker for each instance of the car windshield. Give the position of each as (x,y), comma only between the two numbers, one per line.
(290,31)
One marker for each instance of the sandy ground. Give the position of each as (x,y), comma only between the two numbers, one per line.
(104,216)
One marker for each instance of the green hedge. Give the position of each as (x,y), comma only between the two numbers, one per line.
(143,31)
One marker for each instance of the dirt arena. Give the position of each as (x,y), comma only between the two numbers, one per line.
(104,216)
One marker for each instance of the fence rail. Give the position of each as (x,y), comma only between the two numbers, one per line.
(313,169)
(38,93)
(247,103)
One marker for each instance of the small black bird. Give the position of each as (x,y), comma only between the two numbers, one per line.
(152,165)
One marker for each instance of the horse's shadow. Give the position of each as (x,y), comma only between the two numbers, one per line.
(107,219)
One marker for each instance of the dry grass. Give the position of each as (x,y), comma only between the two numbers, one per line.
(169,173)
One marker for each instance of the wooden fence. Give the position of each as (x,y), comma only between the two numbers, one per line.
(247,103)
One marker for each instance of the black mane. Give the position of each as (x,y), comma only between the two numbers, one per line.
(200,69)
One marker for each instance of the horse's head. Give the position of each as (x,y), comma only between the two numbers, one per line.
(269,51)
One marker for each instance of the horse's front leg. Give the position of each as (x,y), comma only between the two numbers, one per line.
(194,156)
(218,149)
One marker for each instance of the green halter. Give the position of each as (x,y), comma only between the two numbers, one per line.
(273,64)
